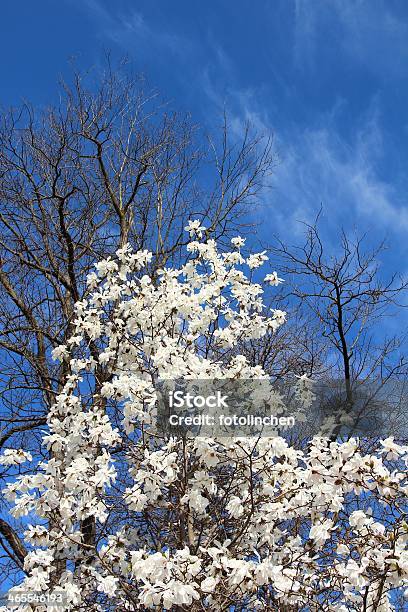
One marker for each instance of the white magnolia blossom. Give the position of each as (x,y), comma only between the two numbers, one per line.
(238,242)
(273,279)
(11,456)
(123,517)
(195,229)
(257,259)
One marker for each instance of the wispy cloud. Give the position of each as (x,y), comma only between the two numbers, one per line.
(318,167)
(321,168)
(130,30)
(372,35)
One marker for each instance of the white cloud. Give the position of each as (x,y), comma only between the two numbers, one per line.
(319,167)
(131,31)
(369,34)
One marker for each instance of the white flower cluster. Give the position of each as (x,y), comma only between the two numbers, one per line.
(11,456)
(199,522)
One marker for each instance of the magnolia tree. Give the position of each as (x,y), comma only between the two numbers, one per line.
(122,517)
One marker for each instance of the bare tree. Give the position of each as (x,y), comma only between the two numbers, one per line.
(110,164)
(348,297)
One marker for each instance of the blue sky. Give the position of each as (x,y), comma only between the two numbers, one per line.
(328,78)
